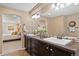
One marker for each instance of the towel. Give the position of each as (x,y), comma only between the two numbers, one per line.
(72,29)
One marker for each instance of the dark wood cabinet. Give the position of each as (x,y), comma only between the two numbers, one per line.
(59,51)
(40,48)
(63,52)
(25,41)
(28,44)
(43,49)
(34,46)
(51,50)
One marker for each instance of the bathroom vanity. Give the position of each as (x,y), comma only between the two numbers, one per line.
(37,46)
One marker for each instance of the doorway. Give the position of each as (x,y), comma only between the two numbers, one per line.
(11,26)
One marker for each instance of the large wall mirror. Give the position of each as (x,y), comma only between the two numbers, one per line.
(11,24)
(62,19)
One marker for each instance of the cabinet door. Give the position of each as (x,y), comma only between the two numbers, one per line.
(43,49)
(62,52)
(26,42)
(51,50)
(34,46)
(29,44)
(58,51)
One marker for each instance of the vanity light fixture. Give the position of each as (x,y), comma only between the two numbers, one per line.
(57,6)
(33,16)
(36,16)
(53,5)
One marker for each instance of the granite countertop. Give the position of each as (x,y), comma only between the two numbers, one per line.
(73,47)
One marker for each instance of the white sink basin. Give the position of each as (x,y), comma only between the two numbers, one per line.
(58,41)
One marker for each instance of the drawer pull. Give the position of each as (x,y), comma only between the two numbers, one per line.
(47,48)
(51,49)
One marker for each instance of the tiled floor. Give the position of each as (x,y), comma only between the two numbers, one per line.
(11,46)
(18,53)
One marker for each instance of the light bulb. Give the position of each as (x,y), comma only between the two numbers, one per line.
(62,5)
(38,16)
(68,4)
(32,17)
(53,6)
(57,8)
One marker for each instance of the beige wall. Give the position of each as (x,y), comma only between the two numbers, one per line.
(56,26)
(74,17)
(59,25)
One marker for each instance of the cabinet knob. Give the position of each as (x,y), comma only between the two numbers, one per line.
(47,48)
(51,49)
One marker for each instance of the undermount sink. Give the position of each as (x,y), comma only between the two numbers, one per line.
(58,41)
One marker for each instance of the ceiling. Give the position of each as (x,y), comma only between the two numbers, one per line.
(19,6)
(68,10)
(51,12)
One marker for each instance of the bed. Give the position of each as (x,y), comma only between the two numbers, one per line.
(8,37)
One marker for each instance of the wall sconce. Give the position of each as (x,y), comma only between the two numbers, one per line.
(35,16)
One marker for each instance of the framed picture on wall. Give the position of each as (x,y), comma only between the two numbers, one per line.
(72,23)
(10,27)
